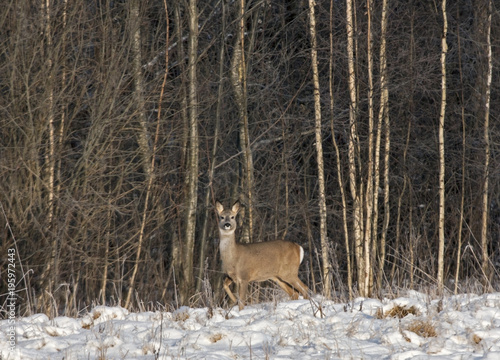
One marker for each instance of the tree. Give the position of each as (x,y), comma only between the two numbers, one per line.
(143,132)
(191,199)
(369,201)
(115,139)
(354,149)
(239,82)
(442,114)
(383,118)
(487,154)
(325,251)
(338,159)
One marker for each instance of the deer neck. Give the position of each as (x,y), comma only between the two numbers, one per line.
(227,248)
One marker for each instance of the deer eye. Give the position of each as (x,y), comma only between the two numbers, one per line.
(232,217)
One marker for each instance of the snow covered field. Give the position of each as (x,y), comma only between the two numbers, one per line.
(413,327)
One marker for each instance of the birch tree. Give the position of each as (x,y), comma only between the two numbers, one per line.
(441,213)
(239,83)
(191,199)
(353,149)
(142,133)
(369,193)
(383,118)
(211,170)
(337,156)
(463,189)
(148,154)
(486,169)
(51,270)
(319,155)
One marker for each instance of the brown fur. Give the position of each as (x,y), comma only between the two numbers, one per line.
(276,260)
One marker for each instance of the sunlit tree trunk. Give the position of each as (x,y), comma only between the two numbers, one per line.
(211,170)
(337,156)
(183,114)
(441,220)
(238,78)
(105,257)
(352,153)
(62,126)
(148,158)
(183,111)
(486,175)
(191,200)
(50,275)
(143,133)
(462,195)
(327,281)
(383,118)
(369,198)
(50,116)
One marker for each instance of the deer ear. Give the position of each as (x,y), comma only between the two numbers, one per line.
(236,207)
(219,207)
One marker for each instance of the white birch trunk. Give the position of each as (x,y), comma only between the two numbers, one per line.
(327,281)
(444,49)
(486,175)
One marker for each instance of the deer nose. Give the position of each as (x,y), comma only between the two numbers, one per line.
(227,226)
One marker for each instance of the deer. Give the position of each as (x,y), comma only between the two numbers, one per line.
(276,260)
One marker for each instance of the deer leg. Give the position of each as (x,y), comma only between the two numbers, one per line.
(228,281)
(288,289)
(297,287)
(300,287)
(243,287)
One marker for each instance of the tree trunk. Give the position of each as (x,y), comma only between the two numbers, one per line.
(206,215)
(182,88)
(50,275)
(485,213)
(444,49)
(327,278)
(353,142)
(238,78)
(143,135)
(369,197)
(187,280)
(337,156)
(383,117)
(462,195)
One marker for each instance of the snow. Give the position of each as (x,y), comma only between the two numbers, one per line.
(457,327)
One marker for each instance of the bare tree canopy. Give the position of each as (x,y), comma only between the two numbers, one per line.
(122,122)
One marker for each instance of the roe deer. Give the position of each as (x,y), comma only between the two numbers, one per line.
(277,260)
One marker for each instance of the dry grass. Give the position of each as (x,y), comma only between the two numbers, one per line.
(216,337)
(397,311)
(423,328)
(96,315)
(182,315)
(476,339)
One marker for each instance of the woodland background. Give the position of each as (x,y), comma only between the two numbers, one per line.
(353,130)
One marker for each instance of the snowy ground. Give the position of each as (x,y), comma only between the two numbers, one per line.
(459,327)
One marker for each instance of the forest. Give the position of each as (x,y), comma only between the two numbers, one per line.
(365,131)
